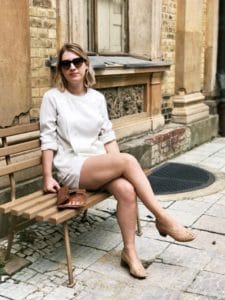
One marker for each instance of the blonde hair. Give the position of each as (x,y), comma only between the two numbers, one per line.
(60,80)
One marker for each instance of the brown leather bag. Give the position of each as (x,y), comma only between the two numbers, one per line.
(67,198)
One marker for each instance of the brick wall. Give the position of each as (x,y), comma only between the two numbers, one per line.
(43,44)
(168,45)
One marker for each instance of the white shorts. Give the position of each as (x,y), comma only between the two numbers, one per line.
(71,173)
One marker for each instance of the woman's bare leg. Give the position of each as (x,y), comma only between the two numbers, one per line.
(125,195)
(100,170)
(126,198)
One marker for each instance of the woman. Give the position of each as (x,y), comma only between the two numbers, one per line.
(77,137)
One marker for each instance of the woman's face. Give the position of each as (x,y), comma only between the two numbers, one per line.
(73,68)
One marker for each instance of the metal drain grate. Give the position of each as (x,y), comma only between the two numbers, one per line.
(171,178)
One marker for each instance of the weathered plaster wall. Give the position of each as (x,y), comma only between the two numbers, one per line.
(15,100)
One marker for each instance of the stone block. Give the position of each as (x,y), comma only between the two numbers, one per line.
(16,291)
(185,256)
(211,223)
(209,284)
(170,276)
(15,264)
(99,239)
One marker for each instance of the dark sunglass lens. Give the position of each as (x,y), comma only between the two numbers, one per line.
(65,64)
(78,62)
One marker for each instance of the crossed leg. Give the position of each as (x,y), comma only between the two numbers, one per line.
(121,174)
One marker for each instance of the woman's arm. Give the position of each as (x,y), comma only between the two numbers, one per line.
(112,147)
(49,183)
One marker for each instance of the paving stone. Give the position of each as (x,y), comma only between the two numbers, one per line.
(221,200)
(101,286)
(151,292)
(209,284)
(61,292)
(110,224)
(211,242)
(217,210)
(211,198)
(43,265)
(183,217)
(15,264)
(39,280)
(100,239)
(185,256)
(211,223)
(216,265)
(36,296)
(99,213)
(108,205)
(170,276)
(17,291)
(192,206)
(82,256)
(190,296)
(24,275)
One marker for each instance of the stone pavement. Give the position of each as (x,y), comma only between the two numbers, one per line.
(184,271)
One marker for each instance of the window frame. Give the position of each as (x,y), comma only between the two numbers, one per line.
(92,30)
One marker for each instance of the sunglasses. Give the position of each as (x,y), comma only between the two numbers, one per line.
(77,62)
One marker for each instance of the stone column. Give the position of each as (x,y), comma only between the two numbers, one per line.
(211,45)
(188,104)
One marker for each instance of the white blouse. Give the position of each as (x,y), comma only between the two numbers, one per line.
(74,126)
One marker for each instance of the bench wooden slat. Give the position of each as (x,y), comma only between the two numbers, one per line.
(17,166)
(19,129)
(6,207)
(13,149)
(64,215)
(19,209)
(45,214)
(32,212)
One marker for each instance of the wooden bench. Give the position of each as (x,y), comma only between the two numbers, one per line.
(19,151)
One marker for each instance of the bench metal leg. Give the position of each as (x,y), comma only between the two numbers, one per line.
(71,282)
(11,233)
(139,228)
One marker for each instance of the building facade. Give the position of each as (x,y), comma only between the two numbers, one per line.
(155,61)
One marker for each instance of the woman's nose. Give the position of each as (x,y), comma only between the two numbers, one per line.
(72,66)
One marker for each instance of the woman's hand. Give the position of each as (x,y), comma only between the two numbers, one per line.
(50,185)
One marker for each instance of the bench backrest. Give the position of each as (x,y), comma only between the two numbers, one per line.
(16,148)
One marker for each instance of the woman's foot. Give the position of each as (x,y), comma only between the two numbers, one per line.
(136,269)
(170,227)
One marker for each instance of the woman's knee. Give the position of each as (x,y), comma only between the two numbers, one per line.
(124,191)
(130,160)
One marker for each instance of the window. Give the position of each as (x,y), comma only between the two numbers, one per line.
(107,26)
